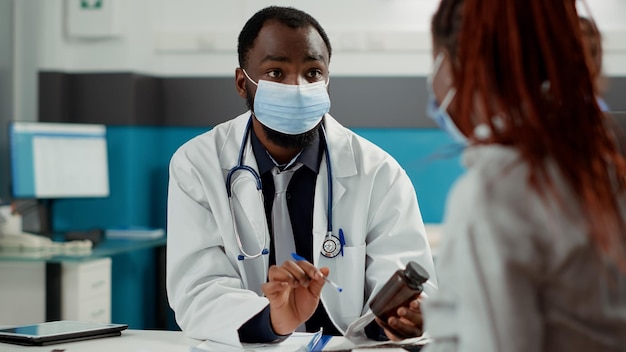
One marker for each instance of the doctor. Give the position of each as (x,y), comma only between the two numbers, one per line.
(352,209)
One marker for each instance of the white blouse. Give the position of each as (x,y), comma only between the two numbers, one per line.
(516,269)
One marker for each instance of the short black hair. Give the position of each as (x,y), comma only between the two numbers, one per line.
(288,16)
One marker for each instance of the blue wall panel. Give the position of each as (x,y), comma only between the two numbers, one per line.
(430,158)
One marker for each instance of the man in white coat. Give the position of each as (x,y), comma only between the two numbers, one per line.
(352,209)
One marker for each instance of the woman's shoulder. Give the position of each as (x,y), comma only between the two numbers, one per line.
(495,189)
(493,172)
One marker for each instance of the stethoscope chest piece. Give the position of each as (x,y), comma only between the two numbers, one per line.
(331,246)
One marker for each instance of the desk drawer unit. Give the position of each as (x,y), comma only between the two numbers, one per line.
(97,309)
(86,291)
(22,293)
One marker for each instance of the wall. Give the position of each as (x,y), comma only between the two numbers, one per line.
(198,37)
(6,90)
(187,49)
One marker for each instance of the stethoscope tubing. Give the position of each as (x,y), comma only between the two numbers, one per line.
(259,186)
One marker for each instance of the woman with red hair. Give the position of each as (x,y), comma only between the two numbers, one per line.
(533,252)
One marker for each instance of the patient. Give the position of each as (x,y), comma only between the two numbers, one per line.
(533,251)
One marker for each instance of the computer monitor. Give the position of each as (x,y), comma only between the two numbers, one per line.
(58,160)
(51,161)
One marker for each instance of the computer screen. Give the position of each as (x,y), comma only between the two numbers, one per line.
(58,160)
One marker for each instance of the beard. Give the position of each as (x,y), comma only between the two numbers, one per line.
(289,141)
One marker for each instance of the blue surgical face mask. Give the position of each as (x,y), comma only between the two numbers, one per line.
(290,109)
(439,113)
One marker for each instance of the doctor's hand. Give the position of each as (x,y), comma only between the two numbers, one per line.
(408,321)
(293,290)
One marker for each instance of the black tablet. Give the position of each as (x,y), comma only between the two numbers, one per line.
(58,331)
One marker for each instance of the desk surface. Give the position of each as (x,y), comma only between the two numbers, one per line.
(131,341)
(106,248)
(136,341)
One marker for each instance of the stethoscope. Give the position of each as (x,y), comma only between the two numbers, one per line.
(331,246)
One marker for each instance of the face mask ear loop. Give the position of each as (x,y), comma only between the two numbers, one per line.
(447,100)
(444,108)
(436,66)
(451,93)
(250,79)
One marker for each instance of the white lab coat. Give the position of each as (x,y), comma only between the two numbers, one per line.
(213,293)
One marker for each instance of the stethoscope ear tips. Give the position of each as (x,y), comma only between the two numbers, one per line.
(265,251)
(240,257)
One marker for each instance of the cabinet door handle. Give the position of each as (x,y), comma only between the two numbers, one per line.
(97,313)
(97,284)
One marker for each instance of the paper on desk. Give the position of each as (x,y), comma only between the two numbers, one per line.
(355,337)
(297,342)
(344,344)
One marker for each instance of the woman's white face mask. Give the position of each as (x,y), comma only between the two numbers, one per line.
(290,109)
(439,113)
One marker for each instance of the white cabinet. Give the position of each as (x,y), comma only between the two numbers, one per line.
(22,293)
(86,291)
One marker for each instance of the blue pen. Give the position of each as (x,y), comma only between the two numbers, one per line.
(318,341)
(297,257)
(342,241)
(316,337)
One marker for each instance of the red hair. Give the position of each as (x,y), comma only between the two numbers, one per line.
(525,62)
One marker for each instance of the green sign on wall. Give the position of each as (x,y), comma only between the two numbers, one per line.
(91,4)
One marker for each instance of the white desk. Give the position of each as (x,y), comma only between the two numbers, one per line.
(136,341)
(130,341)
